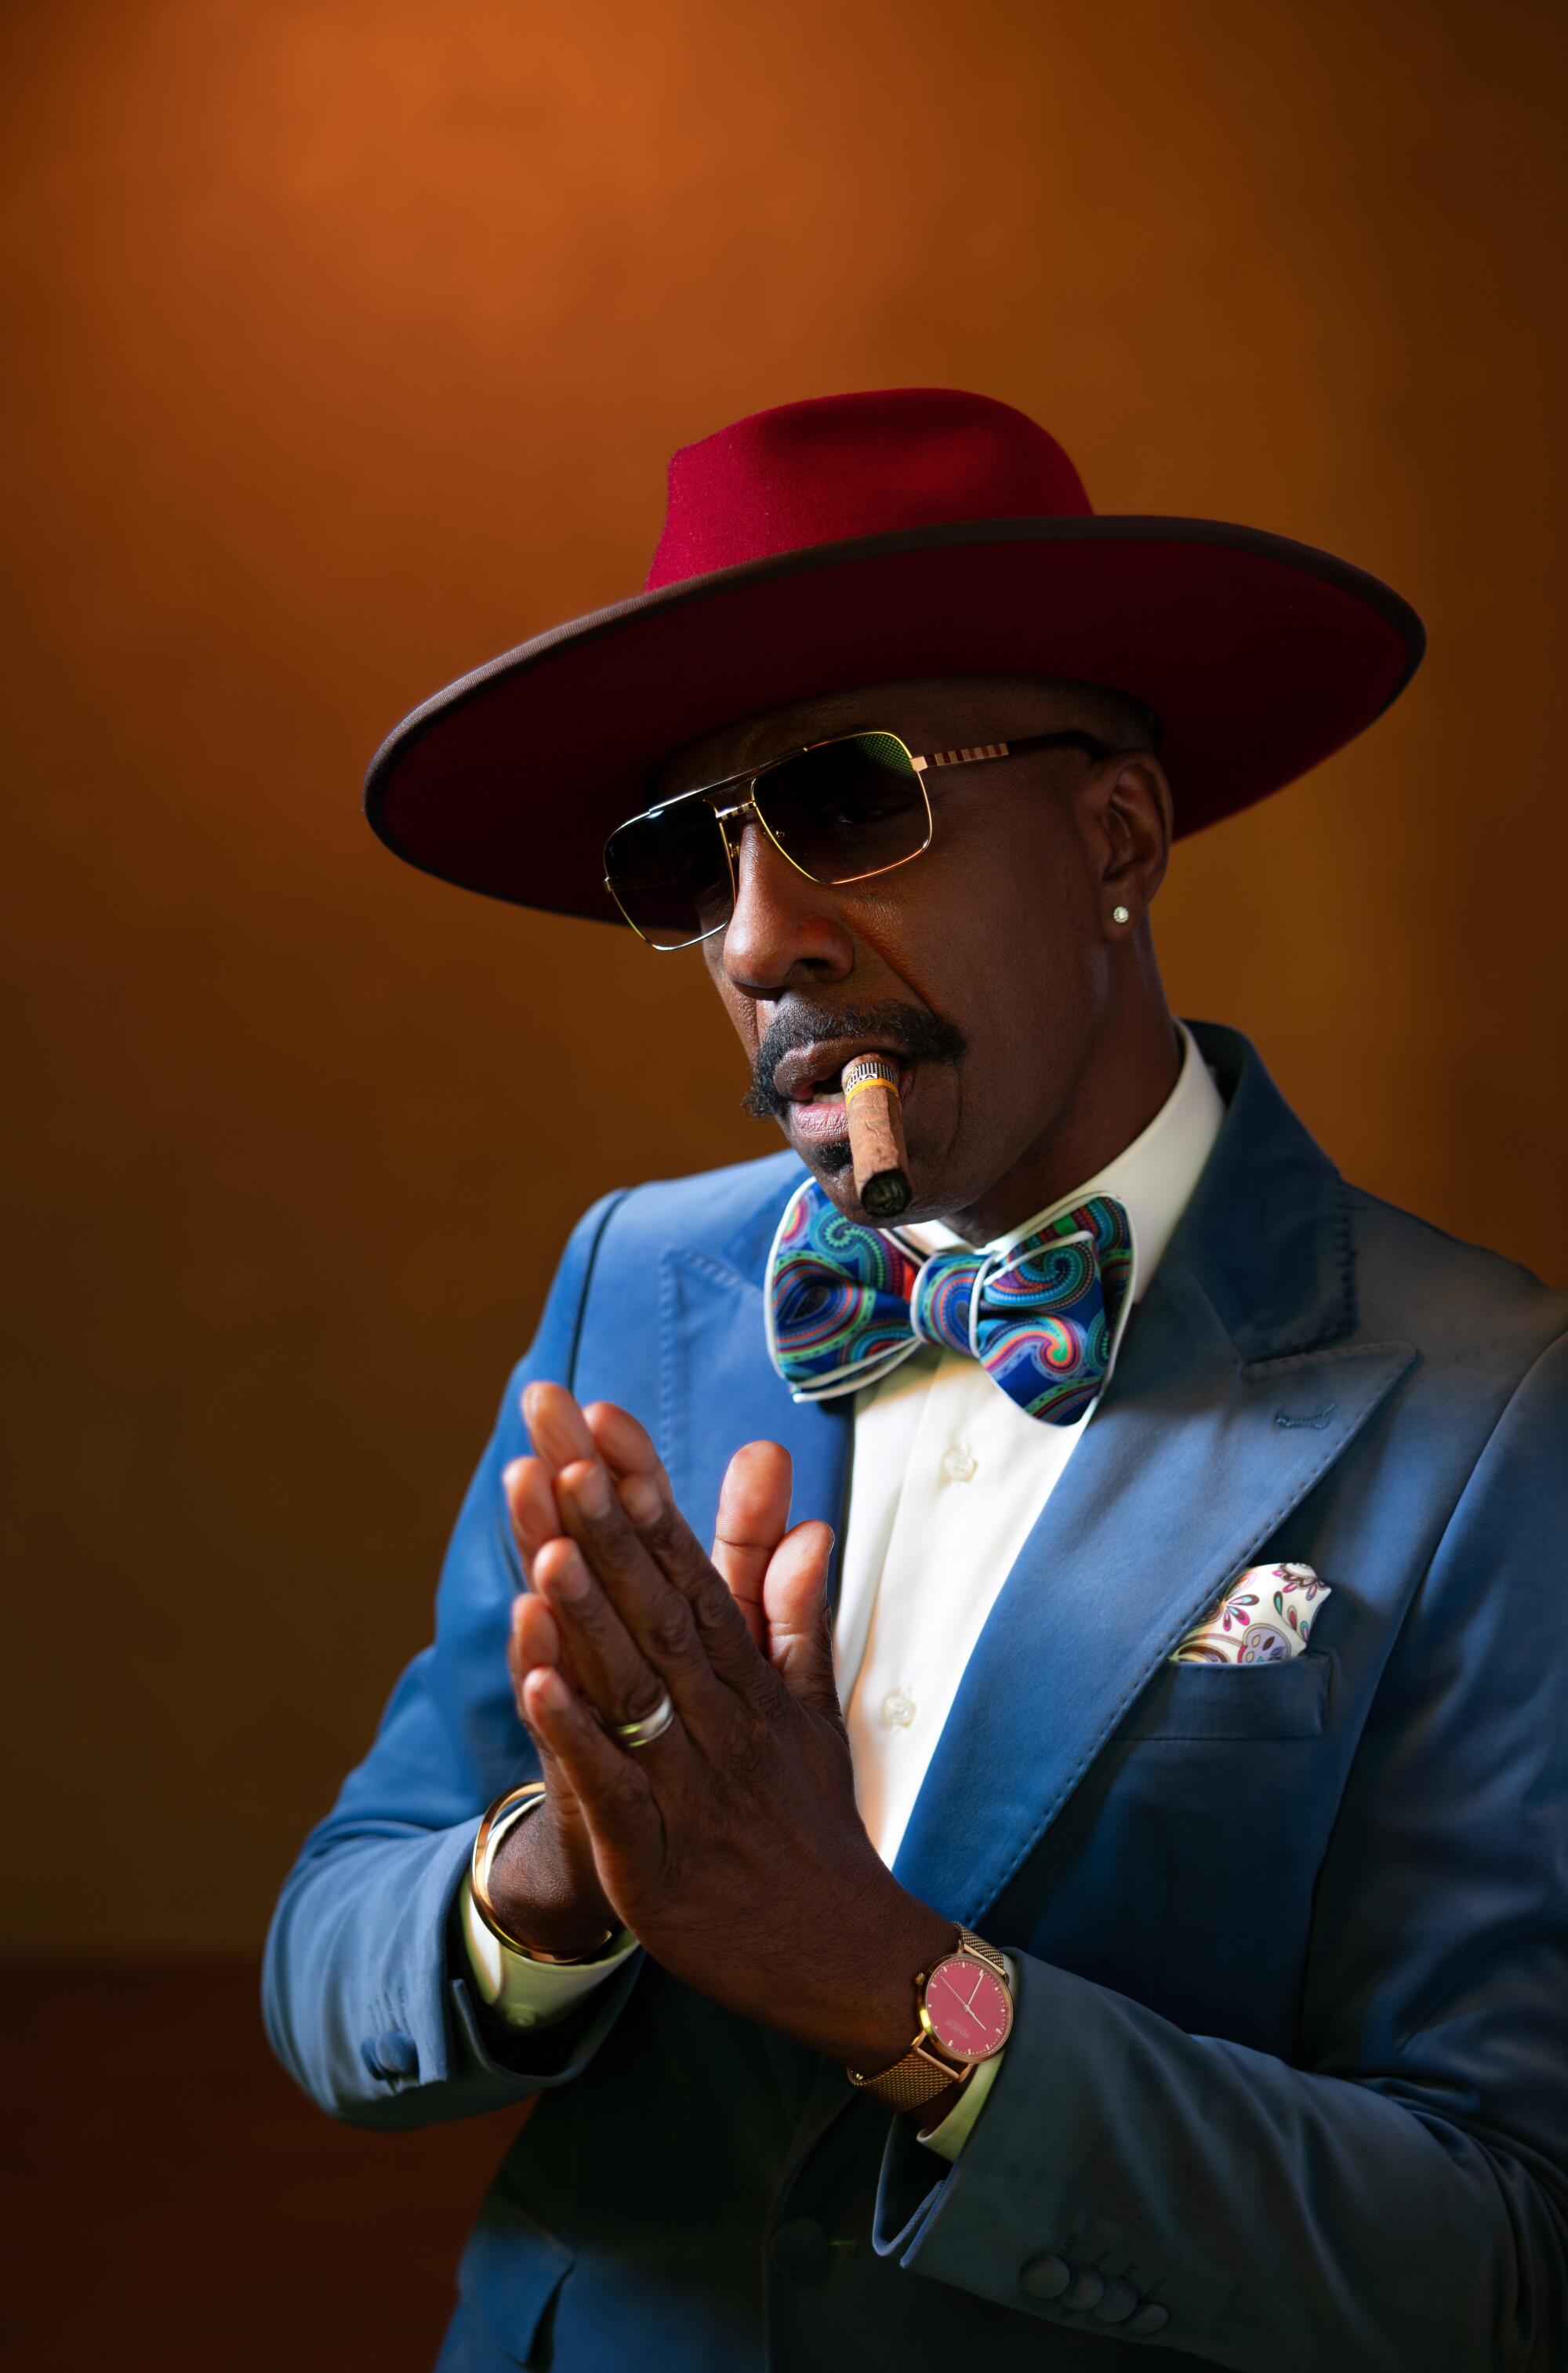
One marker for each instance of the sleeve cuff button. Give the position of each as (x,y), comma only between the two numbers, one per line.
(1045,2278)
(1117,2303)
(393,2057)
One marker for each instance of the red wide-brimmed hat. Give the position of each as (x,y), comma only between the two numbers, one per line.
(866,539)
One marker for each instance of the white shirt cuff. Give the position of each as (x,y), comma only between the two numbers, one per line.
(949,2139)
(533,1994)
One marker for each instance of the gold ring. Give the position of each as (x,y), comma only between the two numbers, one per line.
(654,1725)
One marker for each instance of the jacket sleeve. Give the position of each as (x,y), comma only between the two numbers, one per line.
(366,1994)
(1399,2198)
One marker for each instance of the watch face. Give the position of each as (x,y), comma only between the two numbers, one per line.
(969,2009)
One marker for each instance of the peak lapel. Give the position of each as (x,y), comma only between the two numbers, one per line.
(1181,1474)
(1188,1465)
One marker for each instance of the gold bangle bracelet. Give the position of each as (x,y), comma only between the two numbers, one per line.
(478,1878)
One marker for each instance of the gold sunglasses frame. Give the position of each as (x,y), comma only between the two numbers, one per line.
(730,832)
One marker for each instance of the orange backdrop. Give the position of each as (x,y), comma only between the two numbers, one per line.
(345,347)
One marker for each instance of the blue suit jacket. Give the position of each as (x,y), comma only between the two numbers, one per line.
(1291,2056)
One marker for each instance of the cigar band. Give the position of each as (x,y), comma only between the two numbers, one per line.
(884,1076)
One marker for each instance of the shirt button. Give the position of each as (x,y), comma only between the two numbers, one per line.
(959,1463)
(897,1708)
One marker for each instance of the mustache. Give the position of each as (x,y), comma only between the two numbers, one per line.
(908,1029)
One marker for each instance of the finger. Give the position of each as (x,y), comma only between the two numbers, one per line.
(733,1633)
(612,1674)
(641,1484)
(534,1642)
(644,1490)
(530,1506)
(557,1428)
(795,1601)
(753,1513)
(670,1596)
(569,1435)
(535,1519)
(534,1637)
(613,1787)
(627,1449)
(648,1500)
(752,1519)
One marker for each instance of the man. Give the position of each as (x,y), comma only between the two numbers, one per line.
(1113,1893)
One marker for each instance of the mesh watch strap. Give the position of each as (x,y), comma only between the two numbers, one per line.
(981,1951)
(912,2080)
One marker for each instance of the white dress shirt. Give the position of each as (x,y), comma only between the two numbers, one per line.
(948,1479)
(950,1476)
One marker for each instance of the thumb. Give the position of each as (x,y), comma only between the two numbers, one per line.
(795,1601)
(754,1513)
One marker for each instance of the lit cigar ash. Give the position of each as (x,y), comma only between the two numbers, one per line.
(870,1083)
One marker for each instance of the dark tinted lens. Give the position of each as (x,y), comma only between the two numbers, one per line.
(671,873)
(852,807)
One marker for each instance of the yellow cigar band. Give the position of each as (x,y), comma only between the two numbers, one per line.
(870,1079)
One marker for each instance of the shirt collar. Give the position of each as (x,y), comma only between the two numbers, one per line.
(1152,1178)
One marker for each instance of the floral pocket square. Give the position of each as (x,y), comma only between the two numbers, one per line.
(1265,1615)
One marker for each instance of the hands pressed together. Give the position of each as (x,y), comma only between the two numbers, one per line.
(731,1843)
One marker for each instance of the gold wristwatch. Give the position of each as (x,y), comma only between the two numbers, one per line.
(965,2003)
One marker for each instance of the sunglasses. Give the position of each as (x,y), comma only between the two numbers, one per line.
(839,810)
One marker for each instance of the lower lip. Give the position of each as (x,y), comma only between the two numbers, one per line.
(827,1124)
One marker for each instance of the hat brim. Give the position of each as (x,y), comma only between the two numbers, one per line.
(1260,656)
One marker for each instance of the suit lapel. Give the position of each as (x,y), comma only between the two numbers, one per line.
(1240,1383)
(1181,1474)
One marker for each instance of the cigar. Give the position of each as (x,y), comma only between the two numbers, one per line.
(876,1135)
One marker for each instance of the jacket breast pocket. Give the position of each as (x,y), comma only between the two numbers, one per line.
(1225,1790)
(1250,1703)
(1180,1872)
(509,2273)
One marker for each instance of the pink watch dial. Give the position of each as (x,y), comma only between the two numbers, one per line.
(969,2009)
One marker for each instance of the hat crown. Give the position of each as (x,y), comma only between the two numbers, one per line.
(841,466)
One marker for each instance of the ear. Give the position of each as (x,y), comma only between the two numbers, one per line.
(1134,827)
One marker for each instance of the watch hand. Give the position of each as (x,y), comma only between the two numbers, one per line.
(953,1990)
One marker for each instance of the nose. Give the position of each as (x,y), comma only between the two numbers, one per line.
(784,929)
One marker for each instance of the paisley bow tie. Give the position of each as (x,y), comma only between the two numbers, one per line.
(845,1304)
